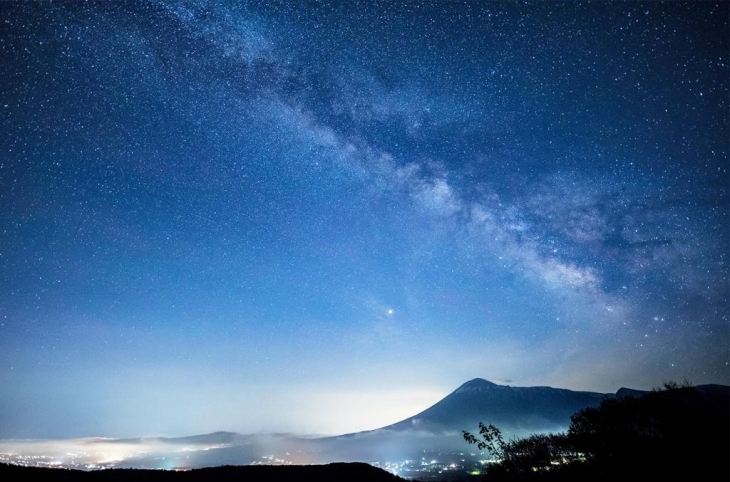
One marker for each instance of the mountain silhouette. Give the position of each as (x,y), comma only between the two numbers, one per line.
(517,409)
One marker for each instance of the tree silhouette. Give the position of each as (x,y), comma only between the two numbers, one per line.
(676,431)
(493,441)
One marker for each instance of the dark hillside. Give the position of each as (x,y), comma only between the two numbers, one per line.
(354,472)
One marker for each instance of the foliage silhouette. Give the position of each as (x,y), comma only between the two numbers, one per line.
(493,441)
(676,431)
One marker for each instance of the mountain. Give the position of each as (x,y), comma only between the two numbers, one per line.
(438,430)
(215,438)
(514,409)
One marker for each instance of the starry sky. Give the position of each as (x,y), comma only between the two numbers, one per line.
(322,217)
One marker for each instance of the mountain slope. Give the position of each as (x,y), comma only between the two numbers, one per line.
(516,409)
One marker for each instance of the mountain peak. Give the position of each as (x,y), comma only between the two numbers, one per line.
(476,384)
(514,409)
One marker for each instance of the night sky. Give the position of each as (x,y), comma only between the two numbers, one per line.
(320,217)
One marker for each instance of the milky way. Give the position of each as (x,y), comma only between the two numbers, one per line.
(322,217)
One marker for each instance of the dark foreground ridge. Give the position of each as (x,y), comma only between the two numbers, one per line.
(355,472)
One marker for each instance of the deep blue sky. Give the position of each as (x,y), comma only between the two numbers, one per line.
(323,217)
